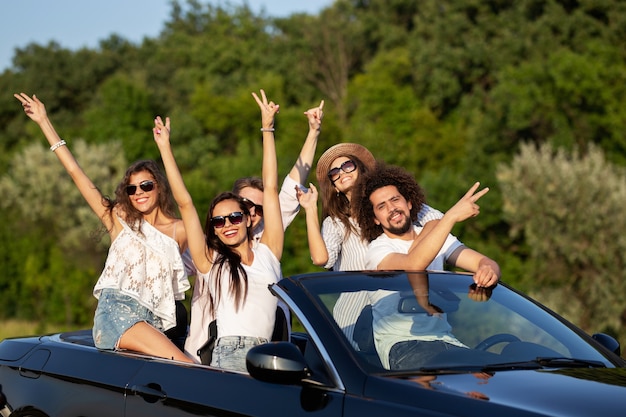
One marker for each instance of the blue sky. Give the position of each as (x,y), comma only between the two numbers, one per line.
(83,23)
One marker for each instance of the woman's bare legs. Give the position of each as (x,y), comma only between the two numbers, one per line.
(144,338)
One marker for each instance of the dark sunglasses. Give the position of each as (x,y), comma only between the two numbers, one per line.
(347,166)
(258,209)
(145,186)
(220,221)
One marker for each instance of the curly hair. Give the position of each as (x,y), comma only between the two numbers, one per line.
(382,176)
(336,204)
(131,215)
(225,255)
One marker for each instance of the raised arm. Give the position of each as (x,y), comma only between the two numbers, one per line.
(36,110)
(317,247)
(273,234)
(193,227)
(302,167)
(433,236)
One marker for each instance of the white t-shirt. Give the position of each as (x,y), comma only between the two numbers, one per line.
(383,245)
(256,316)
(391,326)
(348,253)
(200,314)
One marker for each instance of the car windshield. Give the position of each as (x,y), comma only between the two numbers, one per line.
(441,322)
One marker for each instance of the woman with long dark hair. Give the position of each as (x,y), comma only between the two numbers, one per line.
(233,273)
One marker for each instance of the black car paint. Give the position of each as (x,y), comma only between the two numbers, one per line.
(64,375)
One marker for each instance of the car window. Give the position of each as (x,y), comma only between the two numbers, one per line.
(378,317)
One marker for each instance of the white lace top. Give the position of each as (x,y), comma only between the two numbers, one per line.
(147,267)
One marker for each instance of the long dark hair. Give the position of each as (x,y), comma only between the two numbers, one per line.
(225,255)
(336,204)
(131,215)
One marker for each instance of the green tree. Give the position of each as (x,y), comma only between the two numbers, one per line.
(121,111)
(61,243)
(569,209)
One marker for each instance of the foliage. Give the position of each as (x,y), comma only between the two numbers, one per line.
(58,243)
(452,90)
(579,199)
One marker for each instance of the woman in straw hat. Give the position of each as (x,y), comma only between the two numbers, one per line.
(340,246)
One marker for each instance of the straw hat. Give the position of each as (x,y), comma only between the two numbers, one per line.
(342,149)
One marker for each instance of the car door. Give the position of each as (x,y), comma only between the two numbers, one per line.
(172,389)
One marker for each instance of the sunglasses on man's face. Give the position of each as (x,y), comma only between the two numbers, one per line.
(220,221)
(144,185)
(258,209)
(347,167)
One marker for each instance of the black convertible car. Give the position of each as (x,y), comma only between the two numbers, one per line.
(374,344)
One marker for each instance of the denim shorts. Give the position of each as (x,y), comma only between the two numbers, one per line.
(230,351)
(115,314)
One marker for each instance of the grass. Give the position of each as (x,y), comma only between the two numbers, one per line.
(18,328)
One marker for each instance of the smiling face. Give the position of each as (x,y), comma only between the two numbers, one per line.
(231,234)
(345,180)
(144,201)
(391,211)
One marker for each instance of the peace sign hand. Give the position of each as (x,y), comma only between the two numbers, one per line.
(33,107)
(161,131)
(466,207)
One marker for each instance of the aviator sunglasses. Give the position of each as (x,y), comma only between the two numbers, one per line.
(144,185)
(347,167)
(258,209)
(220,221)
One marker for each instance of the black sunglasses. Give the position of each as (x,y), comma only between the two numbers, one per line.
(347,166)
(220,221)
(145,185)
(258,209)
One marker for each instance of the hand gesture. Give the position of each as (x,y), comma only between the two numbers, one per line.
(32,107)
(315,116)
(307,199)
(161,131)
(268,110)
(466,207)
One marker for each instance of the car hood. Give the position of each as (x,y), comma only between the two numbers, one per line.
(560,392)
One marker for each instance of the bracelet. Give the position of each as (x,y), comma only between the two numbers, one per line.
(267,129)
(58,145)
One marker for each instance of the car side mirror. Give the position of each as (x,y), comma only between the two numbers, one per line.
(608,342)
(277,362)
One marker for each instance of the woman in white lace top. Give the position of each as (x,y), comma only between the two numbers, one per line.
(144,272)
